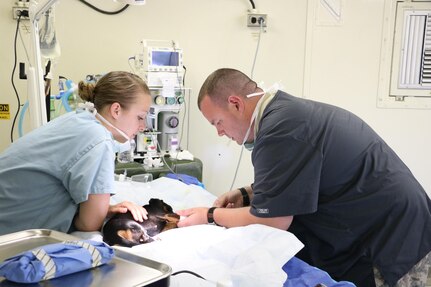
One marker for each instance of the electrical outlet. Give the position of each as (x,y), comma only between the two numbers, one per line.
(255,20)
(17,10)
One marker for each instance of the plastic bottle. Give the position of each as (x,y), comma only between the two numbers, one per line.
(127,156)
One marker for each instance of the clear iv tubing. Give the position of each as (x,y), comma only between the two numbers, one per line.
(251,76)
(257,50)
(237,167)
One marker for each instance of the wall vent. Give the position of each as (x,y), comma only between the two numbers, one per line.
(405,71)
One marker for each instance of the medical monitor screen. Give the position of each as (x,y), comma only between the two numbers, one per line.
(165,58)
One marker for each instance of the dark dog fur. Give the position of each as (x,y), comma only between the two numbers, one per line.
(122,229)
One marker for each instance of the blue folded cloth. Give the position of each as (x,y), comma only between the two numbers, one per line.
(55,260)
(187,179)
(300,274)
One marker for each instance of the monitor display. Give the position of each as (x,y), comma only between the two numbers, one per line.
(165,58)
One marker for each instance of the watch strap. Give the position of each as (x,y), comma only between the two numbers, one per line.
(210,215)
(245,197)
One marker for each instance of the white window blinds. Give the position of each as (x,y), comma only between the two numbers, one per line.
(415,62)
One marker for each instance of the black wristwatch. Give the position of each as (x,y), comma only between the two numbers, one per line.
(210,215)
(245,197)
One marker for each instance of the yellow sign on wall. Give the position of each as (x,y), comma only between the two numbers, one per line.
(4,112)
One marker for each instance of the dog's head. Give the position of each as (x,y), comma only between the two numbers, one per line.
(122,229)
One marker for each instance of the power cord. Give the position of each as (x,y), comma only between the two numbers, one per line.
(103,11)
(13,74)
(252,4)
(188,272)
(131,68)
(188,112)
(203,278)
(185,112)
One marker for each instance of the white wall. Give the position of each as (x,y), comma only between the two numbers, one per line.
(344,71)
(315,63)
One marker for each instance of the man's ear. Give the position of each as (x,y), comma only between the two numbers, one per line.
(237,103)
(115,110)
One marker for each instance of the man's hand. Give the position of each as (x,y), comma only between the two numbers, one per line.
(193,216)
(229,199)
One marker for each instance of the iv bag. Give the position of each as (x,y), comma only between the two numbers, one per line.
(49,45)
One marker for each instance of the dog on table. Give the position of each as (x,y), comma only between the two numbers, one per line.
(123,230)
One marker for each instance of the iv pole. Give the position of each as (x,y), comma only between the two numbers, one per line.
(36,87)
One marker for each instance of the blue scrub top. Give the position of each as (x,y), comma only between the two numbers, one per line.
(48,172)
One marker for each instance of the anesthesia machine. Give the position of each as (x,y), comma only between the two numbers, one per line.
(161,65)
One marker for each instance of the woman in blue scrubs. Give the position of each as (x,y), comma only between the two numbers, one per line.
(60,176)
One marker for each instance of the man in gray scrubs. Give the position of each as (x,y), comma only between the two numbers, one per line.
(323,174)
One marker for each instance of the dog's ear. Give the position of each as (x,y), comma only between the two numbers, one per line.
(172,217)
(125,234)
(160,205)
(171,220)
(167,208)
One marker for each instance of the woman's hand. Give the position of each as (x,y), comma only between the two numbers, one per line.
(138,212)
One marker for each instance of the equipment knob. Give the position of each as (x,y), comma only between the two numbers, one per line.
(173,122)
(159,100)
(171,101)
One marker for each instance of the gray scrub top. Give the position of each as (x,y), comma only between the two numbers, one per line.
(45,174)
(355,203)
